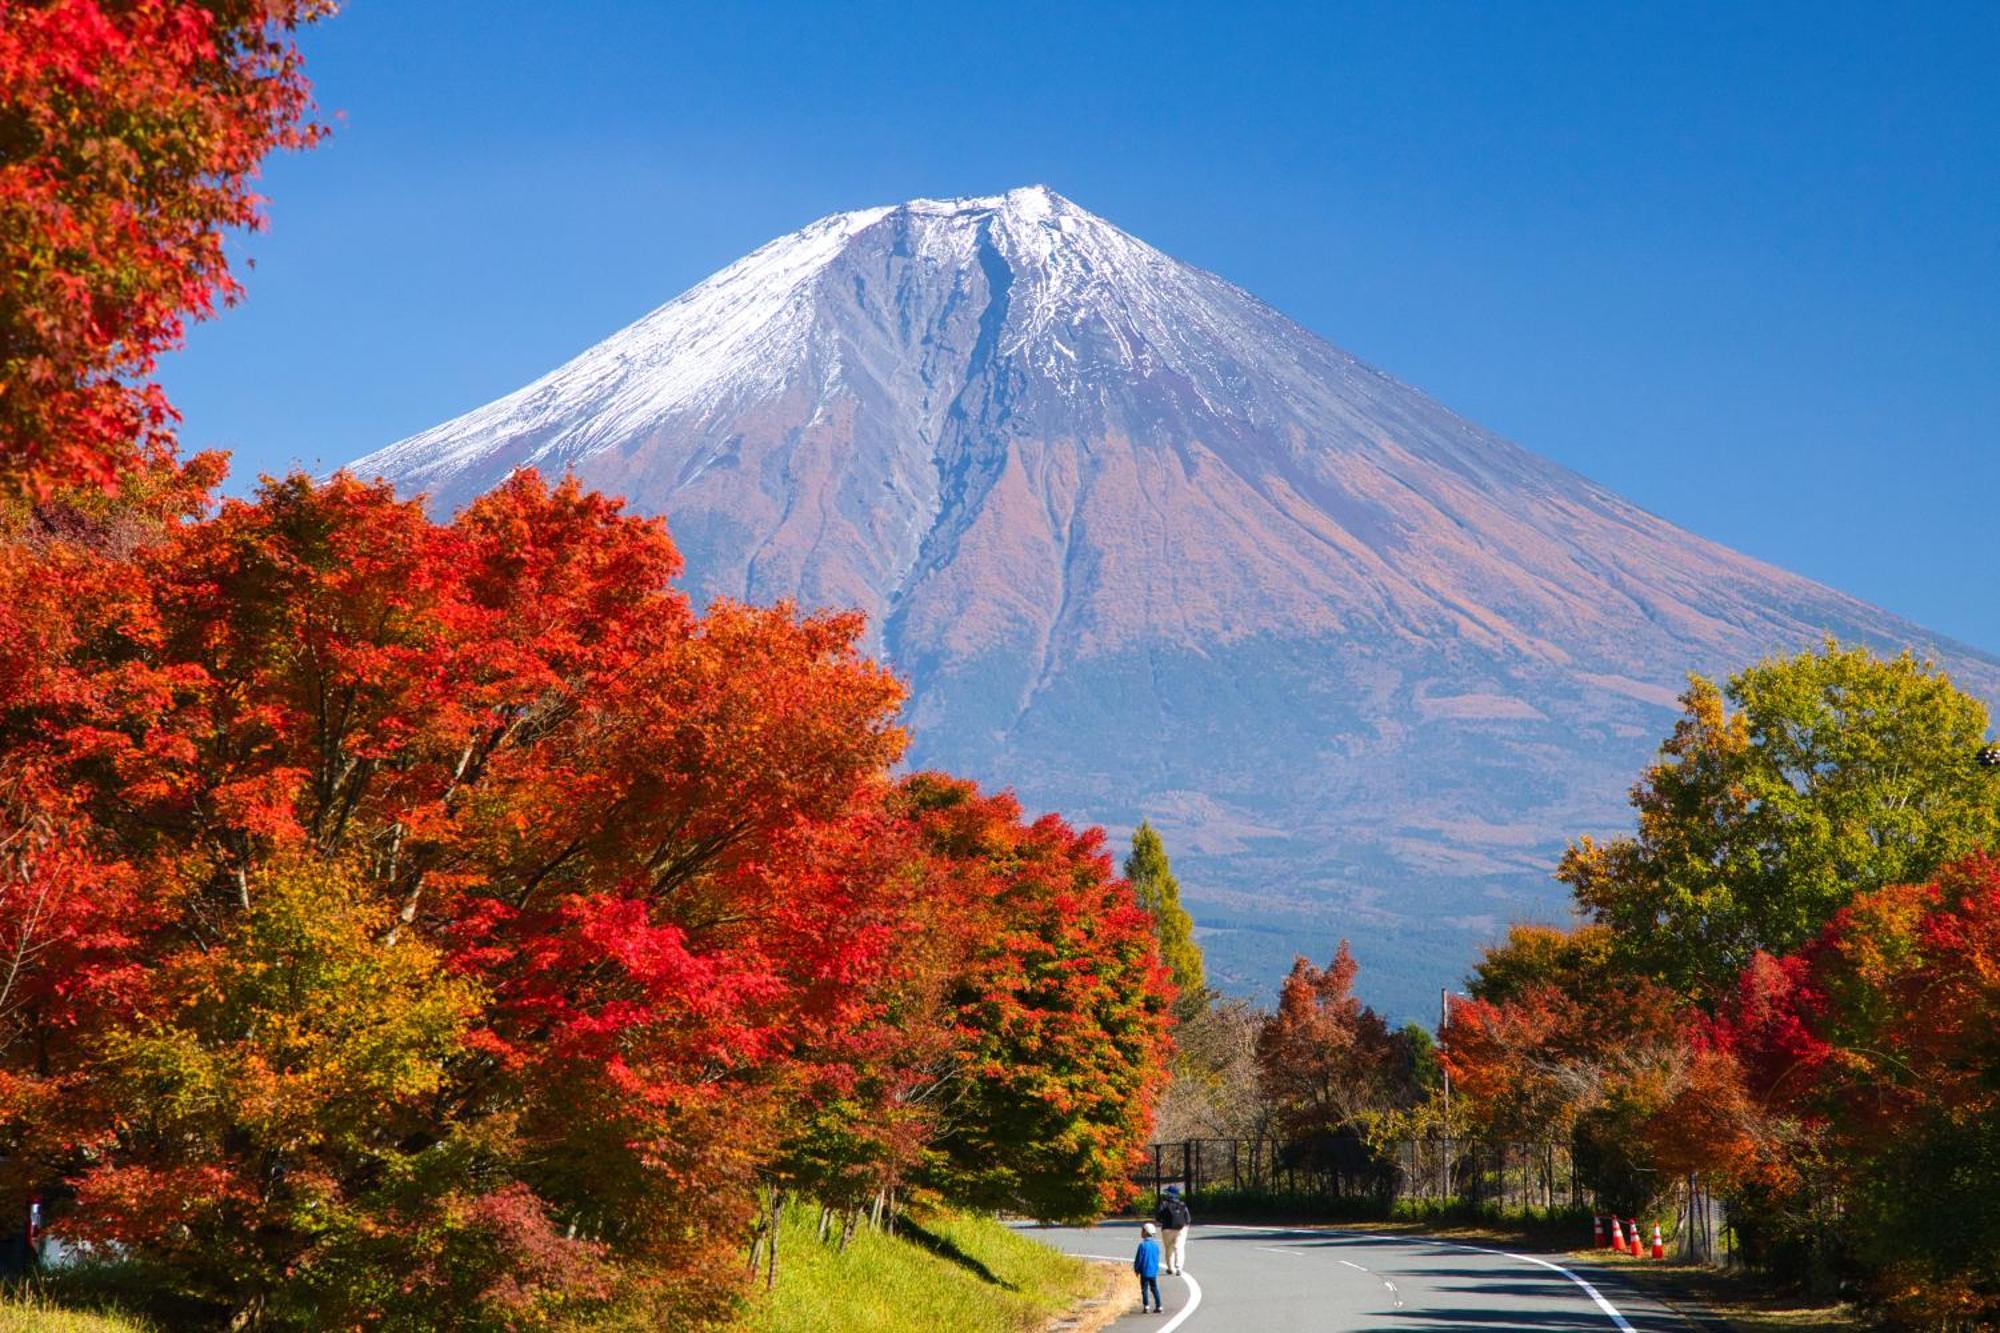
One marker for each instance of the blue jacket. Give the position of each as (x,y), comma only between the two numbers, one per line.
(1146,1263)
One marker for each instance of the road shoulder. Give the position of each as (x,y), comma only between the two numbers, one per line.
(1717,1300)
(1115,1298)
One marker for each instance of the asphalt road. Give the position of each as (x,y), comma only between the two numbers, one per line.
(1276,1280)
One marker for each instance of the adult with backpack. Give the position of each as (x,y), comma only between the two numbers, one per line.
(1173,1217)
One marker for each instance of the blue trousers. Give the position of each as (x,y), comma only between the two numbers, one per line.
(1149,1289)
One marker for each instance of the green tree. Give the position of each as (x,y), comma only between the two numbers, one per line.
(1804,781)
(1426,1075)
(1577,961)
(1153,882)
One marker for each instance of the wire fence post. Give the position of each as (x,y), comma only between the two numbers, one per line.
(1511,1174)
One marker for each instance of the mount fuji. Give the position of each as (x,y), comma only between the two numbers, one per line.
(1144,546)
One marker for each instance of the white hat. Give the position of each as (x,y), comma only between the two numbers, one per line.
(1146,1230)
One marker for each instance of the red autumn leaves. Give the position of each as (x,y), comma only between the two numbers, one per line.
(378,881)
(129,134)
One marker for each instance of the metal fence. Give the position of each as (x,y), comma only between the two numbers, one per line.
(1507,1173)
(1504,1173)
(1701,1226)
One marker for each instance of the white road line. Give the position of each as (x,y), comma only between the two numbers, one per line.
(1618,1321)
(1194,1303)
(1356,1267)
(1272,1249)
(1180,1316)
(1610,1310)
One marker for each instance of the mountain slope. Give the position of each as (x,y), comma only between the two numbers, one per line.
(1144,545)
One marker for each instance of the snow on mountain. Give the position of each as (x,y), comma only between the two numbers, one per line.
(736,334)
(1143,545)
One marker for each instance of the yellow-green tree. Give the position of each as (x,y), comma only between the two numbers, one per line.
(1780,796)
(288,1160)
(1153,882)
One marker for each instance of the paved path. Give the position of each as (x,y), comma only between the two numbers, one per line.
(1278,1280)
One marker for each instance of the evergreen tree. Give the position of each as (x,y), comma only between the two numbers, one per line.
(1153,882)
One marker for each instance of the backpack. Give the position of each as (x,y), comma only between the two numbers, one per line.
(1173,1214)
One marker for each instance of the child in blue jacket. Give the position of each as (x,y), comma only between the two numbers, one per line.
(1146,1263)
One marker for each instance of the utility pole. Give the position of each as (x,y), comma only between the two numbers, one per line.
(1444,1020)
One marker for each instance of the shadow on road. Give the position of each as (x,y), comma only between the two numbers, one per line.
(1459,1321)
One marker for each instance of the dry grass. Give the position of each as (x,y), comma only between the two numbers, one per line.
(1722,1300)
(1116,1294)
(30,1311)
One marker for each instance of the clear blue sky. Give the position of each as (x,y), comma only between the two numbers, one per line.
(1740,263)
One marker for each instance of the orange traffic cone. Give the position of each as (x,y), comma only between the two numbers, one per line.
(1638,1250)
(1659,1245)
(1617,1234)
(1598,1240)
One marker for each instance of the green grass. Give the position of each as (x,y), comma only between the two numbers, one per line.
(25,1310)
(952,1271)
(955,1271)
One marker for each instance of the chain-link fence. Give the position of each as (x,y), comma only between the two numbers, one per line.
(1506,1173)
(1345,1169)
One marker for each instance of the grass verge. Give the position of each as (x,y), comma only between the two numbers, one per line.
(952,1271)
(1724,1300)
(26,1310)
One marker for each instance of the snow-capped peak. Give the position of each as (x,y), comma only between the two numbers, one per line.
(727,333)
(747,330)
(1030,203)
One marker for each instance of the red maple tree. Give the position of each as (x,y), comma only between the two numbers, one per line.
(130,131)
(640,921)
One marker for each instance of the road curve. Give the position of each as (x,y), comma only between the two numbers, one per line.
(1279,1279)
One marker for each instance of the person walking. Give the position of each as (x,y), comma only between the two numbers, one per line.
(1173,1217)
(1146,1263)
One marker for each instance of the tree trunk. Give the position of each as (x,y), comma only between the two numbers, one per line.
(777,1225)
(250,1316)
